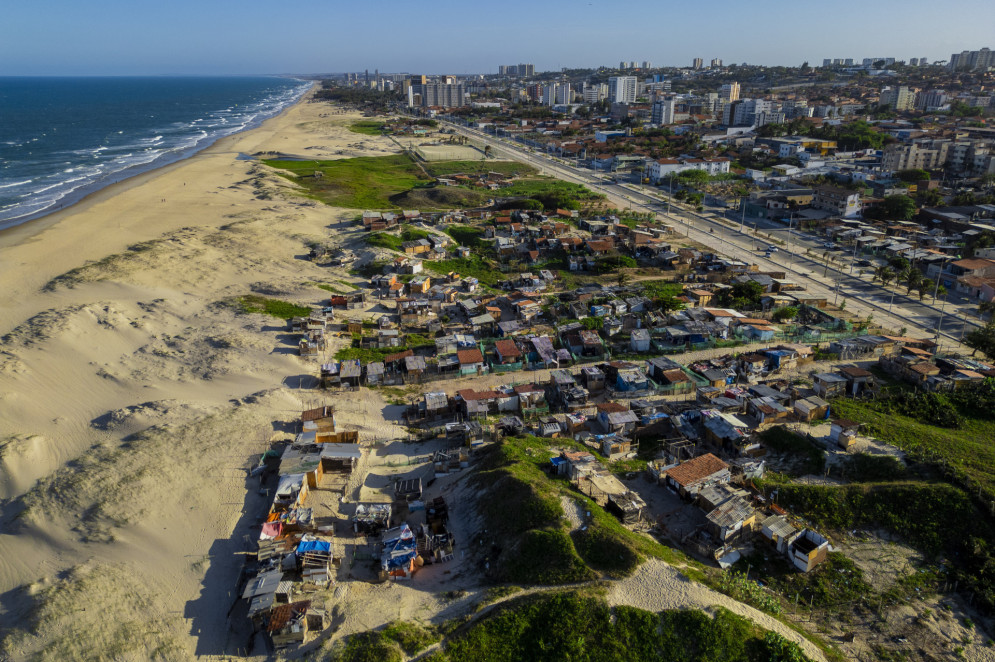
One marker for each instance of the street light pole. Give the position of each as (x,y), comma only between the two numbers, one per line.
(936,290)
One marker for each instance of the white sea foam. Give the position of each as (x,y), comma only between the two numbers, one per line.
(13,184)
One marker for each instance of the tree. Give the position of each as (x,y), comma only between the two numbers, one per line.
(913,175)
(911,277)
(924,287)
(894,207)
(982,339)
(487,151)
(667,303)
(885,274)
(622,278)
(986,308)
(785,313)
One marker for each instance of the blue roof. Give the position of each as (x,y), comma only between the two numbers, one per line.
(313,546)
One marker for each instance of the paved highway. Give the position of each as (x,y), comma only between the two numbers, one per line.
(890,307)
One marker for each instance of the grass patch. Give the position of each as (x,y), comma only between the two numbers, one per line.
(552,193)
(253,303)
(573,626)
(395,241)
(412,637)
(366,182)
(443,168)
(367,127)
(809,458)
(523,508)
(835,583)
(468,267)
(467,235)
(655,289)
(966,455)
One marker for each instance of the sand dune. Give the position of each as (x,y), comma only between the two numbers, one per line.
(133,397)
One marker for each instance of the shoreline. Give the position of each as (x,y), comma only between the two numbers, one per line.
(26,229)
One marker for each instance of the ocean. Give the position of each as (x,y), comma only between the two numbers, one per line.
(62,138)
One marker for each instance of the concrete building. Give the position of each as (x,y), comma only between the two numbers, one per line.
(622,89)
(729,92)
(444,95)
(716,63)
(980,60)
(839,201)
(594,93)
(697,63)
(663,111)
(925,155)
(899,98)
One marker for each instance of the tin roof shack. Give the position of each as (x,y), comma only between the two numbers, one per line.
(778,531)
(319,418)
(314,562)
(407,490)
(370,519)
(828,385)
(639,340)
(690,477)
(808,550)
(260,591)
(399,553)
(732,520)
(350,372)
(844,433)
(591,477)
(329,376)
(593,379)
(857,379)
(469,434)
(291,624)
(811,408)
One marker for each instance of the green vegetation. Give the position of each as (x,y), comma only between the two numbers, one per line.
(810,458)
(741,296)
(551,193)
(964,453)
(837,582)
(396,641)
(522,509)
(366,182)
(367,127)
(468,267)
(982,339)
(572,626)
(467,235)
(253,303)
(443,168)
(394,241)
(656,289)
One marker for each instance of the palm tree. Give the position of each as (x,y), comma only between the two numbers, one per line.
(986,308)
(885,274)
(923,286)
(911,277)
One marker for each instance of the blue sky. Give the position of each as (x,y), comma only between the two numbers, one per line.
(113,37)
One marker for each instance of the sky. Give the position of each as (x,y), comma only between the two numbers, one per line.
(146,37)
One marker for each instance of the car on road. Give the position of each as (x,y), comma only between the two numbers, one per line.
(864,263)
(829,244)
(772,249)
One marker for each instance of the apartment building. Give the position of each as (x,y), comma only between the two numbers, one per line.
(622,89)
(838,201)
(729,92)
(979,60)
(899,98)
(924,154)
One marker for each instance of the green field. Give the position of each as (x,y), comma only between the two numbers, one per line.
(579,627)
(443,168)
(392,182)
(367,127)
(966,454)
(366,182)
(395,241)
(253,303)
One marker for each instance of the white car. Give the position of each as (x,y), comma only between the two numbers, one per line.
(829,244)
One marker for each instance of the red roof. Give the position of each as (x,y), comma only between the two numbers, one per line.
(611,407)
(507,348)
(467,356)
(317,413)
(694,470)
(390,358)
(529,388)
(469,394)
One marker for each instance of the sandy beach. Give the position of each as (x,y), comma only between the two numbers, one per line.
(131,400)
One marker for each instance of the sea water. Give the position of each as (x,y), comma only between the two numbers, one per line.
(62,138)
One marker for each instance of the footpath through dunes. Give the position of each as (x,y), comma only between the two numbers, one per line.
(133,393)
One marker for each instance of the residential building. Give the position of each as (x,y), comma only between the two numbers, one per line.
(622,89)
(729,92)
(663,111)
(716,63)
(836,200)
(972,60)
(899,98)
(925,155)
(444,95)
(594,93)
(697,63)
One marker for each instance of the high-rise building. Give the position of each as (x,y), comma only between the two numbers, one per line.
(663,111)
(419,80)
(647,64)
(594,93)
(622,89)
(899,98)
(972,60)
(729,92)
(913,62)
(445,95)
(696,63)
(931,100)
(716,63)
(502,70)
(564,94)
(526,70)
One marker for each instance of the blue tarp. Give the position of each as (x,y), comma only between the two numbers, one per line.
(313,546)
(398,551)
